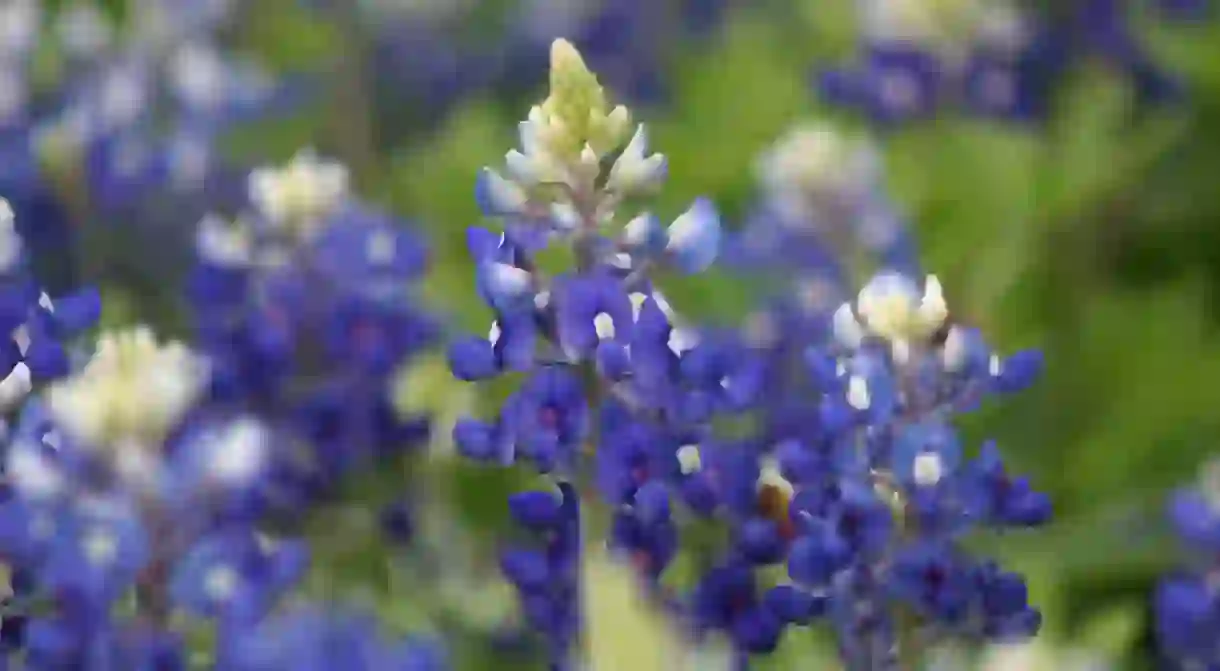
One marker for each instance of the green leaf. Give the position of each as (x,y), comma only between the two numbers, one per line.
(1150,358)
(288,36)
(730,104)
(1100,148)
(1113,631)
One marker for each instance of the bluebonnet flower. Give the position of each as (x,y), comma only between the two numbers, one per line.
(547,576)
(304,308)
(998,60)
(1185,602)
(38,325)
(111,498)
(312,638)
(858,390)
(607,359)
(881,493)
(862,489)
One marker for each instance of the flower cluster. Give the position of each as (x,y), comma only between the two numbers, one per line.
(863,495)
(304,307)
(137,487)
(115,485)
(1187,602)
(1001,60)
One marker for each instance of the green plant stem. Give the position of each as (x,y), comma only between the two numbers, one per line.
(352,128)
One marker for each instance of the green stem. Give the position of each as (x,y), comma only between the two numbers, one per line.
(909,649)
(350,116)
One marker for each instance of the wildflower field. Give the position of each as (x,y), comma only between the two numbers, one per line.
(610,335)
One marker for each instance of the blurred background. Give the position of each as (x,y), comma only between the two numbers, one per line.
(1081,217)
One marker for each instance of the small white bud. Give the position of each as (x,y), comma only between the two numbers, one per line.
(637,304)
(221,582)
(381,247)
(238,451)
(604,325)
(682,340)
(927,469)
(223,243)
(100,547)
(689,459)
(932,309)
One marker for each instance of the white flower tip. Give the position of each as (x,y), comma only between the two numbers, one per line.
(508,281)
(497,195)
(694,237)
(224,243)
(32,473)
(238,452)
(603,324)
(689,459)
(995,365)
(15,387)
(927,469)
(565,216)
(638,146)
(642,231)
(682,340)
(635,170)
(933,310)
(6,214)
(565,56)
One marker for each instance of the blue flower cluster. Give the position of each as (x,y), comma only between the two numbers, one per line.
(305,309)
(138,484)
(999,60)
(1187,602)
(863,491)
